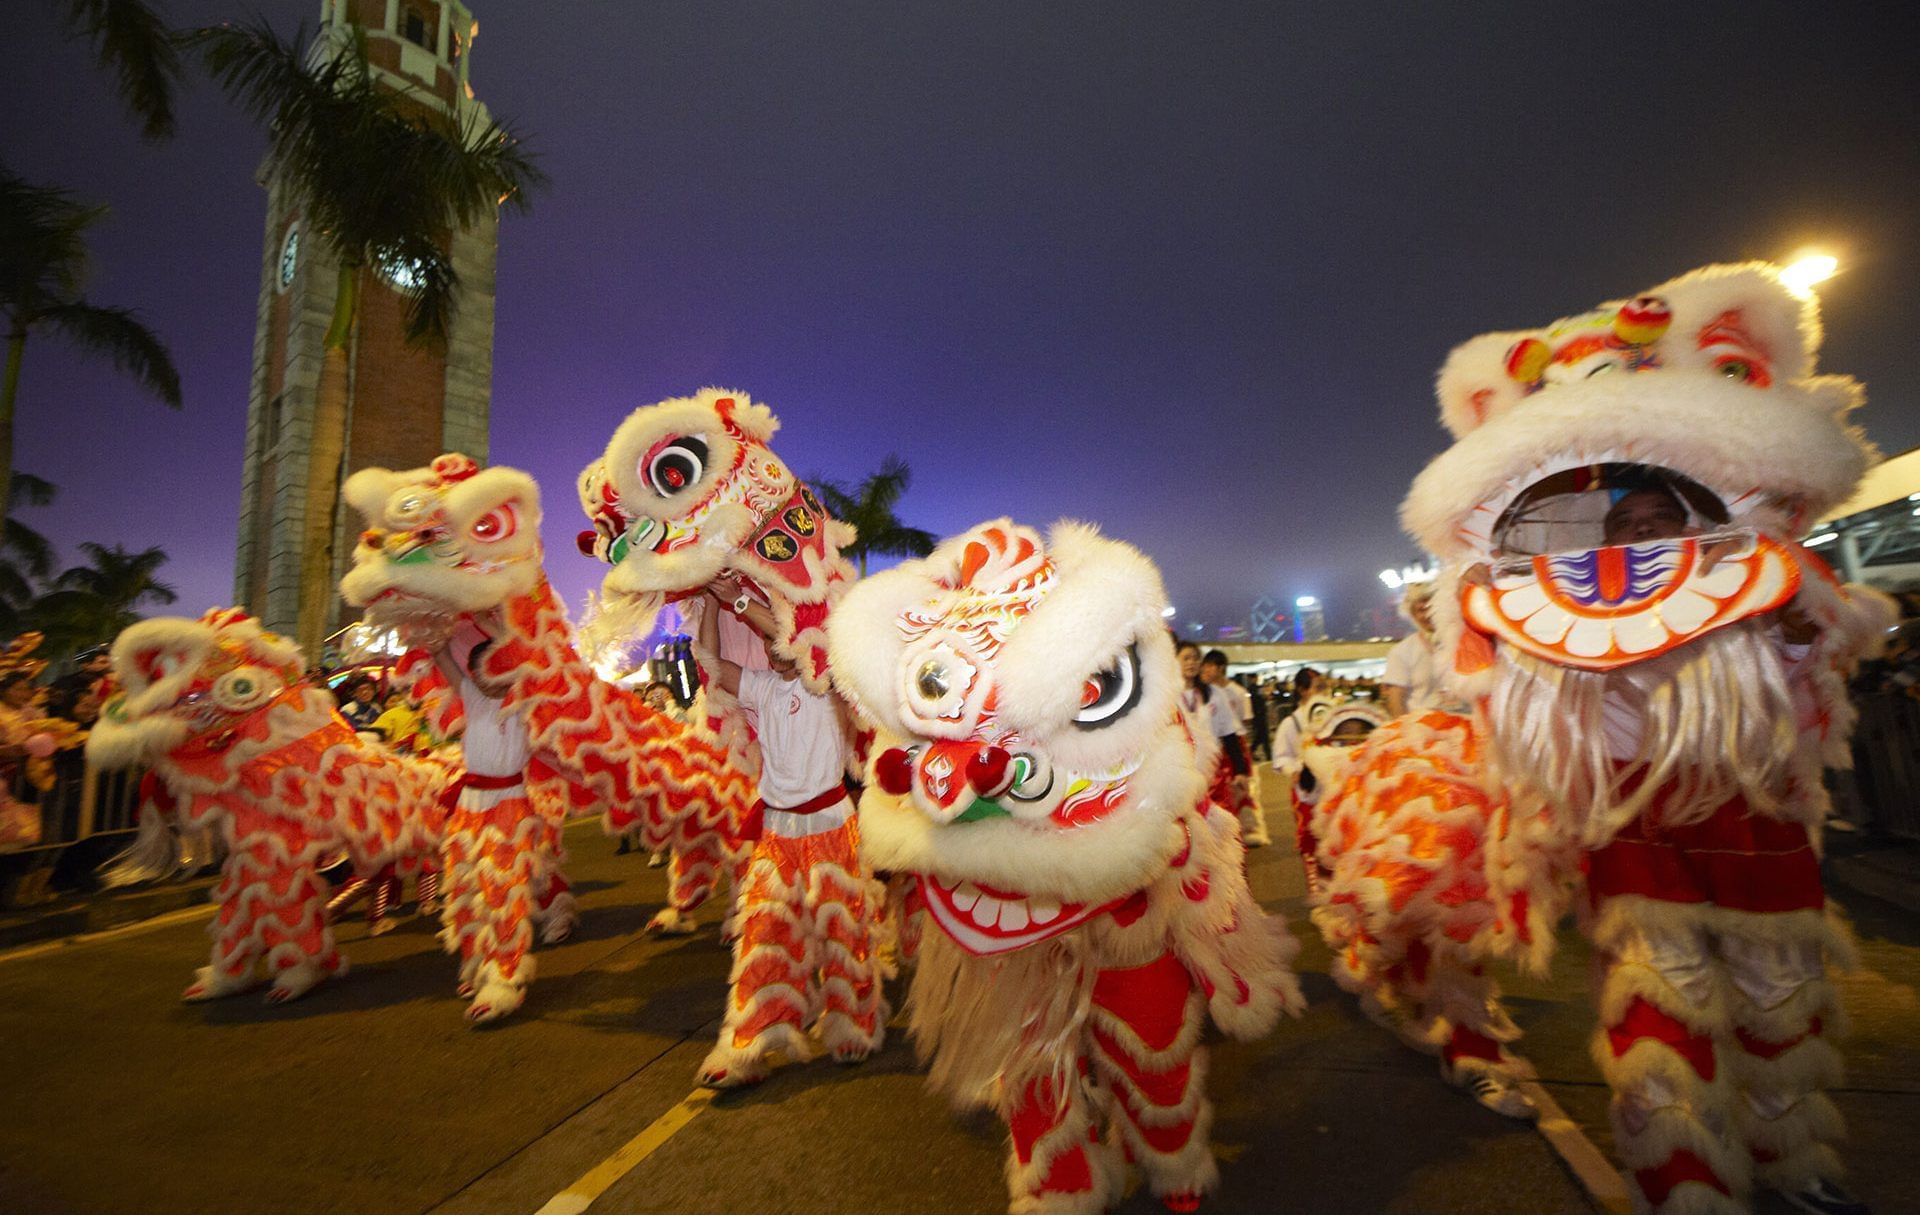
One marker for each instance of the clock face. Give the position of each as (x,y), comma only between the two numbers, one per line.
(289,257)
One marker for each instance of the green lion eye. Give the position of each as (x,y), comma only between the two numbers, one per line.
(243,687)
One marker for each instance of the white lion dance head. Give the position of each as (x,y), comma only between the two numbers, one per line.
(1698,399)
(442,541)
(183,679)
(1031,741)
(687,491)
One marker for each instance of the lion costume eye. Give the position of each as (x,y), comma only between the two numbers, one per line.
(672,467)
(1110,694)
(497,524)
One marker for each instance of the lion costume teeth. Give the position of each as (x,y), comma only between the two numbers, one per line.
(1034,771)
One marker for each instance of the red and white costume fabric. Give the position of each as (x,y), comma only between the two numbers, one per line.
(452,559)
(1412,900)
(1035,771)
(237,744)
(805,950)
(1638,702)
(1236,783)
(687,491)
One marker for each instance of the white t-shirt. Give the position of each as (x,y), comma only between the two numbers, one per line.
(1242,701)
(1222,718)
(495,742)
(1287,742)
(1410,666)
(802,751)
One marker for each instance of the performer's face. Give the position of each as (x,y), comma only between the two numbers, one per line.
(1645,514)
(1189,662)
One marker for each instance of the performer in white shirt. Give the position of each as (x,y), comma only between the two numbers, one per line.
(1231,708)
(1410,683)
(805,949)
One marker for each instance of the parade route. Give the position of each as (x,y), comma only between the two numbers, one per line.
(372,1095)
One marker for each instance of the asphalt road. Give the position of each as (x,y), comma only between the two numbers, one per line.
(373,1095)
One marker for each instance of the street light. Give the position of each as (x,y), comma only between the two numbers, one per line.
(1807,270)
(1392,579)
(1306,601)
(1166,613)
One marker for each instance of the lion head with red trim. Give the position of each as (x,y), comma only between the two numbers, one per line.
(688,490)
(443,541)
(1031,758)
(180,679)
(1618,518)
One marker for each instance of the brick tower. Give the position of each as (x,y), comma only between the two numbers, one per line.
(405,404)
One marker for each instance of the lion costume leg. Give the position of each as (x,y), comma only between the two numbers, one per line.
(1661,1047)
(768,1000)
(1785,1012)
(272,907)
(840,908)
(1057,1165)
(691,877)
(1146,1023)
(556,911)
(489,888)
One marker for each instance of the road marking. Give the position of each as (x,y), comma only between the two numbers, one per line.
(181,916)
(1589,1166)
(599,1179)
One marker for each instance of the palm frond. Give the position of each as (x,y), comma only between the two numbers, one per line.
(130,39)
(43,250)
(119,334)
(900,541)
(28,490)
(33,551)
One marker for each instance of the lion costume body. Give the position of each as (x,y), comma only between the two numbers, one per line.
(1640,698)
(452,560)
(1035,773)
(239,743)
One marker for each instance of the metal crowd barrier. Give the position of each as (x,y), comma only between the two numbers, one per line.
(84,805)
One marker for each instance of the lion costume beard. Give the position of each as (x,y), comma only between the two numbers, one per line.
(1715,716)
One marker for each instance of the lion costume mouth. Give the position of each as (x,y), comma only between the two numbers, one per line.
(983,919)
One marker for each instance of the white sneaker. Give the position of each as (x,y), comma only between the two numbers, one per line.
(1494,1089)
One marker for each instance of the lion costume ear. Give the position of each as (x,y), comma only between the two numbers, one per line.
(1741,322)
(367,491)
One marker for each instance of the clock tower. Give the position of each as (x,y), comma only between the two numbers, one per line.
(404,404)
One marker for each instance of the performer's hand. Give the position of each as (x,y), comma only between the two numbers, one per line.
(1716,551)
(1796,627)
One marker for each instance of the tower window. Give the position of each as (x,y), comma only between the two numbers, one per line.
(414,28)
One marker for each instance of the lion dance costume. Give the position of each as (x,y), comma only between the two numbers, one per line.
(686,492)
(216,708)
(1037,775)
(452,560)
(1641,701)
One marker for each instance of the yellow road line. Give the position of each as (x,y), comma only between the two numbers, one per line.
(181,916)
(601,1178)
(1590,1168)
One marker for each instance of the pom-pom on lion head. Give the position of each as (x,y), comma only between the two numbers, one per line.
(1031,758)
(181,679)
(1709,377)
(687,490)
(442,541)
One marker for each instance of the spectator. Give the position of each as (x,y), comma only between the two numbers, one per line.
(362,704)
(1410,683)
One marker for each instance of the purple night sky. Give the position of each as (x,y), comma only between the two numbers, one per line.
(1182,270)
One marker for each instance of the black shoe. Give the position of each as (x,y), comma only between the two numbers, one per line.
(1825,1197)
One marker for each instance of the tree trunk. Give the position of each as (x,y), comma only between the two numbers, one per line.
(325,447)
(9,390)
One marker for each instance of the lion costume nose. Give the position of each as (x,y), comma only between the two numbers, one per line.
(988,772)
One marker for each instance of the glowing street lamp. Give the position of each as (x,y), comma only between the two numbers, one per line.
(1392,579)
(1807,270)
(1306,601)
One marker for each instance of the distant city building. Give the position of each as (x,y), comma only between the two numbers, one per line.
(1309,620)
(405,405)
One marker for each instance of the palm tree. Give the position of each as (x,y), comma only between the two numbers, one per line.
(130,40)
(90,604)
(870,510)
(26,556)
(381,178)
(43,262)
